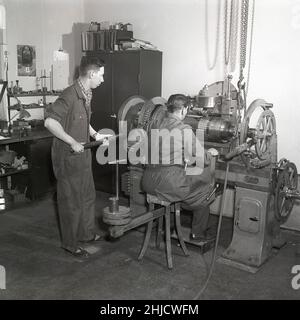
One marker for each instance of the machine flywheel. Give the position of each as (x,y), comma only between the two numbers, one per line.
(286,187)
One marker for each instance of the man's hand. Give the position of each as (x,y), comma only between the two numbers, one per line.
(213,152)
(105,142)
(99,136)
(103,137)
(77,147)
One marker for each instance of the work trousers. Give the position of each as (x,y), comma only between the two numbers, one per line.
(172,184)
(76,199)
(200,220)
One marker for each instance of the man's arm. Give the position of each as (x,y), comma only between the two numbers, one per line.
(57,130)
(93,132)
(98,136)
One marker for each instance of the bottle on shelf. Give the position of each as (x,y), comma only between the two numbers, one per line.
(37,83)
(17,89)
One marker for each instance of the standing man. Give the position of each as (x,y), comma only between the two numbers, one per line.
(68,119)
(171,183)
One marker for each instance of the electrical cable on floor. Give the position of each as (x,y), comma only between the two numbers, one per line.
(217,237)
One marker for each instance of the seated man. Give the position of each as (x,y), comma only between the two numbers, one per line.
(171,182)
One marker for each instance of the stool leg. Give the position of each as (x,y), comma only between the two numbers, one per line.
(147,235)
(168,238)
(159,232)
(179,232)
(146,240)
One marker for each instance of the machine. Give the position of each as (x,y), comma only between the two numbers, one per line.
(265,189)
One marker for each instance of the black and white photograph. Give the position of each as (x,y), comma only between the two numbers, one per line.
(149,154)
(26,60)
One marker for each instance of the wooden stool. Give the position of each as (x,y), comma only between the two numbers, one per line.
(152,200)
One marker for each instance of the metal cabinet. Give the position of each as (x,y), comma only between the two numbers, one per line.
(127,73)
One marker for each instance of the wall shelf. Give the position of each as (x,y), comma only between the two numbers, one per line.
(25,94)
(34,94)
(29,106)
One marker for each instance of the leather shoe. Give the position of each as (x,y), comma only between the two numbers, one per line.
(80,253)
(97,237)
(202,237)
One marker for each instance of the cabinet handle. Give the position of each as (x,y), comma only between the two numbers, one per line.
(113,115)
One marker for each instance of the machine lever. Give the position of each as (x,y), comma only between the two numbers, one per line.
(212,192)
(93,144)
(237,151)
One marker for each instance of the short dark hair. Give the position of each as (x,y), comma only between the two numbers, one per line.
(88,63)
(177,102)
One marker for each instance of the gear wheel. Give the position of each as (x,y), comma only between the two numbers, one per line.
(287,180)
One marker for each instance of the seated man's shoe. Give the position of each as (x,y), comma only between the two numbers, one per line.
(202,237)
(97,237)
(79,253)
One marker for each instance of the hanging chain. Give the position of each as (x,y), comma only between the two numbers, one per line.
(212,65)
(234,36)
(231,33)
(243,36)
(230,39)
(227,35)
(250,46)
(243,51)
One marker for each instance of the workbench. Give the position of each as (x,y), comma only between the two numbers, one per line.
(38,179)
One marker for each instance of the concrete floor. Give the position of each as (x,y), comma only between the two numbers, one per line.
(37,268)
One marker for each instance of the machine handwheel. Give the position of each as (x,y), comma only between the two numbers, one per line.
(265,129)
(260,135)
(287,180)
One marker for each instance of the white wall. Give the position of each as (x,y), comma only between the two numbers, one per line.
(41,23)
(276,67)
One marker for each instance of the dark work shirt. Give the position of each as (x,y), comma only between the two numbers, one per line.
(179,152)
(72,112)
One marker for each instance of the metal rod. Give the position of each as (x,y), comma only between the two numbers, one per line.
(51,78)
(117,180)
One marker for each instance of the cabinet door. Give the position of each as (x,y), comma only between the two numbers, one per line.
(150,73)
(125,71)
(101,118)
(120,82)
(101,104)
(126,74)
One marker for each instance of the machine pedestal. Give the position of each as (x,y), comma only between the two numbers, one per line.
(238,265)
(255,229)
